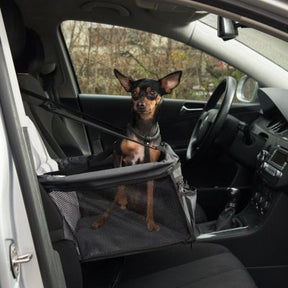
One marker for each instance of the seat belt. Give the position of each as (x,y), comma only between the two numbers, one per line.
(48,80)
(52,142)
(80,117)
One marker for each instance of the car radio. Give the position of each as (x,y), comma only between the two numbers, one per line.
(273,167)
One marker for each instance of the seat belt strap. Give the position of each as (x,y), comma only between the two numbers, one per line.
(61,110)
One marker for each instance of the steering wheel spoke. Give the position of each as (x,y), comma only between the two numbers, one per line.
(212,119)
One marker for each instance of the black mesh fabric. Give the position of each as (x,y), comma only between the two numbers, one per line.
(125,230)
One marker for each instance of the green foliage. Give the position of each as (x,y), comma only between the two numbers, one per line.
(96,49)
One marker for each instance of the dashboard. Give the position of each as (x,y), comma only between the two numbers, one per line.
(267,150)
(272,127)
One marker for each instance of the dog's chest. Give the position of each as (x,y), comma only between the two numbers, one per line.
(134,153)
(138,156)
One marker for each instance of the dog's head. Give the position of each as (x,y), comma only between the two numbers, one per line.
(147,93)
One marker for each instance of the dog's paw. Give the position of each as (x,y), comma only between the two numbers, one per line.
(123,207)
(152,226)
(98,223)
(122,202)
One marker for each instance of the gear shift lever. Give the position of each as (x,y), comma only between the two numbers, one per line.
(225,219)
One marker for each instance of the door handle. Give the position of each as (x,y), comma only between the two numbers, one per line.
(184,110)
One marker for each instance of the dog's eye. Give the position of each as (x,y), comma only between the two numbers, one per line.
(135,95)
(152,95)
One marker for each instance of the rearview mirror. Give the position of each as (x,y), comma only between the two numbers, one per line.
(227,29)
(247,89)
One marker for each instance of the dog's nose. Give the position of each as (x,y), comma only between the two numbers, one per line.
(141,105)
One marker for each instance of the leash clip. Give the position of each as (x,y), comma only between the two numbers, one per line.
(147,141)
(148,145)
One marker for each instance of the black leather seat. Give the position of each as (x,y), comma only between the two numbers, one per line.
(204,265)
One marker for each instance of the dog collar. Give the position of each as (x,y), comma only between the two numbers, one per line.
(146,139)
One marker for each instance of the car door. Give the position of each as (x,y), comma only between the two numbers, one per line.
(27,258)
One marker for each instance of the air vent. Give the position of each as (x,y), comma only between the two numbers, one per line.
(277,126)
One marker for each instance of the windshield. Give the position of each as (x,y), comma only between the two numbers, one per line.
(270,47)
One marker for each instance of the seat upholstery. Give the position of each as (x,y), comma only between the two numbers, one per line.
(60,141)
(28,55)
(204,265)
(211,272)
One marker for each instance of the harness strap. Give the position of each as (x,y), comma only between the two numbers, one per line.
(146,139)
(146,154)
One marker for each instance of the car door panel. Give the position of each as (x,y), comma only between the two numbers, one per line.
(113,110)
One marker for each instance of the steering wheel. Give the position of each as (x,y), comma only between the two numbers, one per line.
(212,119)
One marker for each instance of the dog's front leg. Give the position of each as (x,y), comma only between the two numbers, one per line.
(151,225)
(100,222)
(121,197)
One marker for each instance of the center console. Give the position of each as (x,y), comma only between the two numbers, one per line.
(271,176)
(273,167)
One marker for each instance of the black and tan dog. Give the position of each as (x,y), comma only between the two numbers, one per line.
(143,127)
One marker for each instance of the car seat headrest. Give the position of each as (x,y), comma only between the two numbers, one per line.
(33,54)
(48,68)
(15,28)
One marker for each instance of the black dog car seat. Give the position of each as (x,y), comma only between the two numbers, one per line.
(83,198)
(200,265)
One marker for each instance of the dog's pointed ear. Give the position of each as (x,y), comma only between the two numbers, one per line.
(125,81)
(169,82)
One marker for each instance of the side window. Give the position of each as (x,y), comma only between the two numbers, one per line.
(96,49)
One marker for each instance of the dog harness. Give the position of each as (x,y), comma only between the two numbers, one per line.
(147,140)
